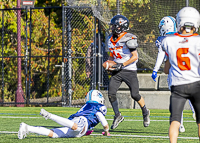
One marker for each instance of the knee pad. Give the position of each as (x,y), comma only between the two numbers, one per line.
(112,98)
(136,97)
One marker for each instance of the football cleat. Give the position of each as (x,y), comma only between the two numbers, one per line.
(45,114)
(181,129)
(23,130)
(117,119)
(146,119)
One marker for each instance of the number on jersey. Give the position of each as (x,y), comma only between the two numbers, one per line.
(183,62)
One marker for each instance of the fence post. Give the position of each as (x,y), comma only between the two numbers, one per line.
(187,2)
(69,56)
(2,37)
(48,74)
(94,77)
(63,55)
(99,55)
(26,60)
(19,92)
(30,55)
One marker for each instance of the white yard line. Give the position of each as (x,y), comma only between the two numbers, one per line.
(118,135)
(151,120)
(7,132)
(140,136)
(106,119)
(17,117)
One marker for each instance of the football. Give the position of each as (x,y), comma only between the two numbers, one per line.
(108,65)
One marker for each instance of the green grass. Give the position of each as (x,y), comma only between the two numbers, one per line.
(130,130)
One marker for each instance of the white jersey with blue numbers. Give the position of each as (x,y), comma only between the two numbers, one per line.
(89,111)
(161,53)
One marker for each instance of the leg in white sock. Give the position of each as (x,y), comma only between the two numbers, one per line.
(62,121)
(192,108)
(182,119)
(181,128)
(39,130)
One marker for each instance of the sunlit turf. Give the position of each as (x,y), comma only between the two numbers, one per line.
(131,129)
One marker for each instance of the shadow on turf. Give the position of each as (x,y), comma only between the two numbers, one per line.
(51,127)
(128,131)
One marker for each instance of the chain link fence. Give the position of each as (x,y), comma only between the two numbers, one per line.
(63,48)
(54,43)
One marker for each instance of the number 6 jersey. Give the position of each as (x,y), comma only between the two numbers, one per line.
(120,51)
(184,56)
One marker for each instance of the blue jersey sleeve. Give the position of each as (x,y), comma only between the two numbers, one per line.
(89,111)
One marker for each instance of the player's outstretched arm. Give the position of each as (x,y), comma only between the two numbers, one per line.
(104,123)
(106,130)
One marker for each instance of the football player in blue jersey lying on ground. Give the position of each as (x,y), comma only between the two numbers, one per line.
(78,124)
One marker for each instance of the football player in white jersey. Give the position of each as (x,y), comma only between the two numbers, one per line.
(183,66)
(123,50)
(77,124)
(167,27)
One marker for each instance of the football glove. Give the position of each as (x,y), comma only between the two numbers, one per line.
(154,75)
(118,66)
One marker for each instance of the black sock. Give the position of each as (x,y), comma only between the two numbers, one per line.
(115,107)
(144,110)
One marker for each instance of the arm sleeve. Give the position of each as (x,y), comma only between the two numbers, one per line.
(101,118)
(161,52)
(159,60)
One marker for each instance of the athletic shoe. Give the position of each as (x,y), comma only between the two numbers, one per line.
(181,129)
(22,131)
(146,119)
(117,119)
(45,114)
(194,116)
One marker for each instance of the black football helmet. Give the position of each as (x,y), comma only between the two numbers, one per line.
(119,23)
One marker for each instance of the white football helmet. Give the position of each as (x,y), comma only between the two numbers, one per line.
(167,24)
(188,16)
(95,96)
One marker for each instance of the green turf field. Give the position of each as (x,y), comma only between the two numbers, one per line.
(130,130)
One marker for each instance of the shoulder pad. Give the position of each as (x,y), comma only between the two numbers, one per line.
(127,37)
(103,110)
(132,44)
(160,38)
(159,41)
